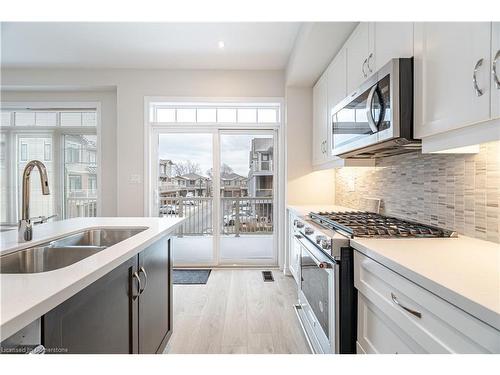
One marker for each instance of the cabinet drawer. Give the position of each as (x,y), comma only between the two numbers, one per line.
(441,328)
(377,333)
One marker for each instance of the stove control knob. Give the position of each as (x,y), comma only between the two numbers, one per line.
(320,238)
(325,244)
(299,224)
(309,230)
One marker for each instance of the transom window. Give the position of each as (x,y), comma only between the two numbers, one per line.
(214,113)
(48,117)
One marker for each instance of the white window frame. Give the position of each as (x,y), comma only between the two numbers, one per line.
(233,102)
(57,132)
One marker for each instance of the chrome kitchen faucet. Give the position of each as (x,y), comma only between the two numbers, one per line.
(25,228)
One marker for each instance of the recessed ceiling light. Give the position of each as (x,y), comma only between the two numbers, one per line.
(221,44)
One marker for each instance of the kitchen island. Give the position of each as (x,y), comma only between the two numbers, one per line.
(120,287)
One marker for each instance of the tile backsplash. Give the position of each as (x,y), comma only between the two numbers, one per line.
(455,191)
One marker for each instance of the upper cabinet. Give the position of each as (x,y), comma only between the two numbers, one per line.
(452,76)
(392,40)
(320,120)
(374,44)
(495,70)
(360,57)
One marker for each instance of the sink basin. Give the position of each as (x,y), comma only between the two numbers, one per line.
(64,251)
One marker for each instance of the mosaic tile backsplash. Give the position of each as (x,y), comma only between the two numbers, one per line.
(458,192)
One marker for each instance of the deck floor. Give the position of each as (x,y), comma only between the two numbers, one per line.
(237,312)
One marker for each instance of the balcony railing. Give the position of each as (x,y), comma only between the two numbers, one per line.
(239,215)
(262,166)
(80,207)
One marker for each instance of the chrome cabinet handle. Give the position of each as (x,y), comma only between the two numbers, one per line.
(142,270)
(363,68)
(479,92)
(135,275)
(413,312)
(494,70)
(368,62)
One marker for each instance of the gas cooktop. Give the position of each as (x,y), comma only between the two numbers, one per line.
(368,224)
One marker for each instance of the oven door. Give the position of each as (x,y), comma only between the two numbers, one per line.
(317,297)
(365,117)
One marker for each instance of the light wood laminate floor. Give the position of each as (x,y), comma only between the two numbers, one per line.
(237,312)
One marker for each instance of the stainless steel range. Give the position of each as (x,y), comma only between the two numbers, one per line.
(327,305)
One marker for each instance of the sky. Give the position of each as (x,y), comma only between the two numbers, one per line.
(235,149)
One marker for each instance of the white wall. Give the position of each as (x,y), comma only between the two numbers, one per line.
(131,87)
(304,185)
(108,133)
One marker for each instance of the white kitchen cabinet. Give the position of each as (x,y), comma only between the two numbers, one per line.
(392,40)
(320,120)
(377,334)
(447,57)
(337,80)
(359,48)
(411,318)
(293,249)
(495,70)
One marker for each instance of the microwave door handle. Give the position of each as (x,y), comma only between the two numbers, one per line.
(369,104)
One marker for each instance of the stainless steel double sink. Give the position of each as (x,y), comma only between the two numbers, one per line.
(64,251)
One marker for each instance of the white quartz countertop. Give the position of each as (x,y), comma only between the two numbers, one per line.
(26,297)
(463,271)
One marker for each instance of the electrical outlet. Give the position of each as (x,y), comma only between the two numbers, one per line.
(135,179)
(351,183)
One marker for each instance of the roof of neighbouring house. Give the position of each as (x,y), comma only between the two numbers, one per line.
(262,144)
(193,176)
(231,176)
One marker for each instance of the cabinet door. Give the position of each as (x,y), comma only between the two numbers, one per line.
(97,320)
(319,147)
(155,301)
(446,55)
(358,50)
(392,40)
(377,334)
(337,88)
(495,58)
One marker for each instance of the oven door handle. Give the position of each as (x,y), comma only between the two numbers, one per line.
(320,264)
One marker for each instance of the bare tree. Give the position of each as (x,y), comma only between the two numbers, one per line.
(182,168)
(224,170)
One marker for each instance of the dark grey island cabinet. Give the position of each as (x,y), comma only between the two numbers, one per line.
(128,310)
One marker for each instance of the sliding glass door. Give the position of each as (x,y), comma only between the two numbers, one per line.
(247,197)
(223,183)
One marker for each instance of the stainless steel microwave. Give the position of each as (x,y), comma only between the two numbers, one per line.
(376,120)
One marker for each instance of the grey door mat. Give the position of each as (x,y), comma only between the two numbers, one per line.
(191,277)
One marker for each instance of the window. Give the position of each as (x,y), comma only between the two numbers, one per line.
(248,115)
(30,134)
(226,115)
(47,152)
(215,113)
(72,154)
(265,157)
(24,152)
(92,183)
(74,183)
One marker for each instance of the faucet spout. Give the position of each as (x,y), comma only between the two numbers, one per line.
(25,225)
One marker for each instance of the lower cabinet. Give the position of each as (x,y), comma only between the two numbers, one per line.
(128,310)
(396,315)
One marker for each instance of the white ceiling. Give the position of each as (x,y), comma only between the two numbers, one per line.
(315,47)
(148,45)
